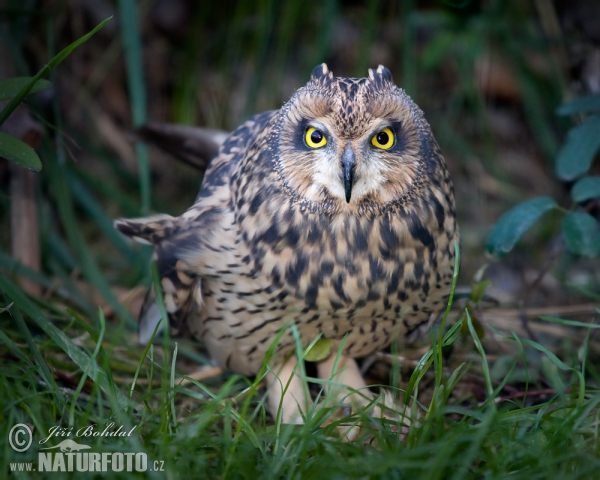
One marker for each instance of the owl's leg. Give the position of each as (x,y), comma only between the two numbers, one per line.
(347,373)
(286,389)
(351,388)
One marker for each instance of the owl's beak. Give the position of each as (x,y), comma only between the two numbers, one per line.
(348,161)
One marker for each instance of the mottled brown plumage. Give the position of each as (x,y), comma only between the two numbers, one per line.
(347,240)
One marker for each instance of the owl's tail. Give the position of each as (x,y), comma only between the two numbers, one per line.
(180,288)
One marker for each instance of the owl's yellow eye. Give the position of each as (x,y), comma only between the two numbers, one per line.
(315,138)
(383,139)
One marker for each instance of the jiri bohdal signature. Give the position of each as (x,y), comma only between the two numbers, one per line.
(110,430)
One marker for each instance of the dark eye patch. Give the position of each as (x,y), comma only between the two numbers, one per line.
(400,137)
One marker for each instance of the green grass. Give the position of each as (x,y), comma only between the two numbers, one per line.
(220,429)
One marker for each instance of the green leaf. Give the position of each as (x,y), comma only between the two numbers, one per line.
(514,223)
(581,232)
(478,290)
(45,71)
(590,103)
(19,152)
(576,155)
(586,188)
(11,87)
(319,351)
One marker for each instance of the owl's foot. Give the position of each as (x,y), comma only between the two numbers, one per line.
(288,395)
(349,388)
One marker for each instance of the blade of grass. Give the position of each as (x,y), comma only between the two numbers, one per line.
(584,351)
(427,359)
(482,430)
(13,267)
(132,44)
(484,363)
(570,323)
(81,359)
(18,98)
(69,290)
(172,387)
(41,365)
(15,350)
(142,358)
(440,341)
(396,370)
(59,174)
(94,366)
(525,365)
(99,217)
(166,343)
(554,359)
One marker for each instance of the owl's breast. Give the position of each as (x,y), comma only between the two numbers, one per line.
(361,277)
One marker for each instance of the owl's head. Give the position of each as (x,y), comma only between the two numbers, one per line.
(352,144)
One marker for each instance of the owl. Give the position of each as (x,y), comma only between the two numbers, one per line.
(334,214)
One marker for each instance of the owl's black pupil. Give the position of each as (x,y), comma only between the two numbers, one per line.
(383,138)
(316,136)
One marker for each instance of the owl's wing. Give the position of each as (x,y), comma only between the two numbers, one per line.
(193,234)
(161,231)
(195,146)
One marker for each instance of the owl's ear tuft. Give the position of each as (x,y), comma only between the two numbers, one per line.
(380,75)
(384,73)
(381,72)
(320,71)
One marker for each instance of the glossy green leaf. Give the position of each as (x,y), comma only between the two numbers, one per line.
(576,155)
(589,103)
(586,188)
(514,223)
(10,87)
(19,152)
(320,350)
(582,233)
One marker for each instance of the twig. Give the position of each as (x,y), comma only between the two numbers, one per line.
(555,250)
(530,393)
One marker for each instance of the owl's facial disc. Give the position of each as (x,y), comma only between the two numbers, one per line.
(348,165)
(350,143)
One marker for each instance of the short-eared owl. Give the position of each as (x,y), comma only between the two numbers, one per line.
(334,213)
